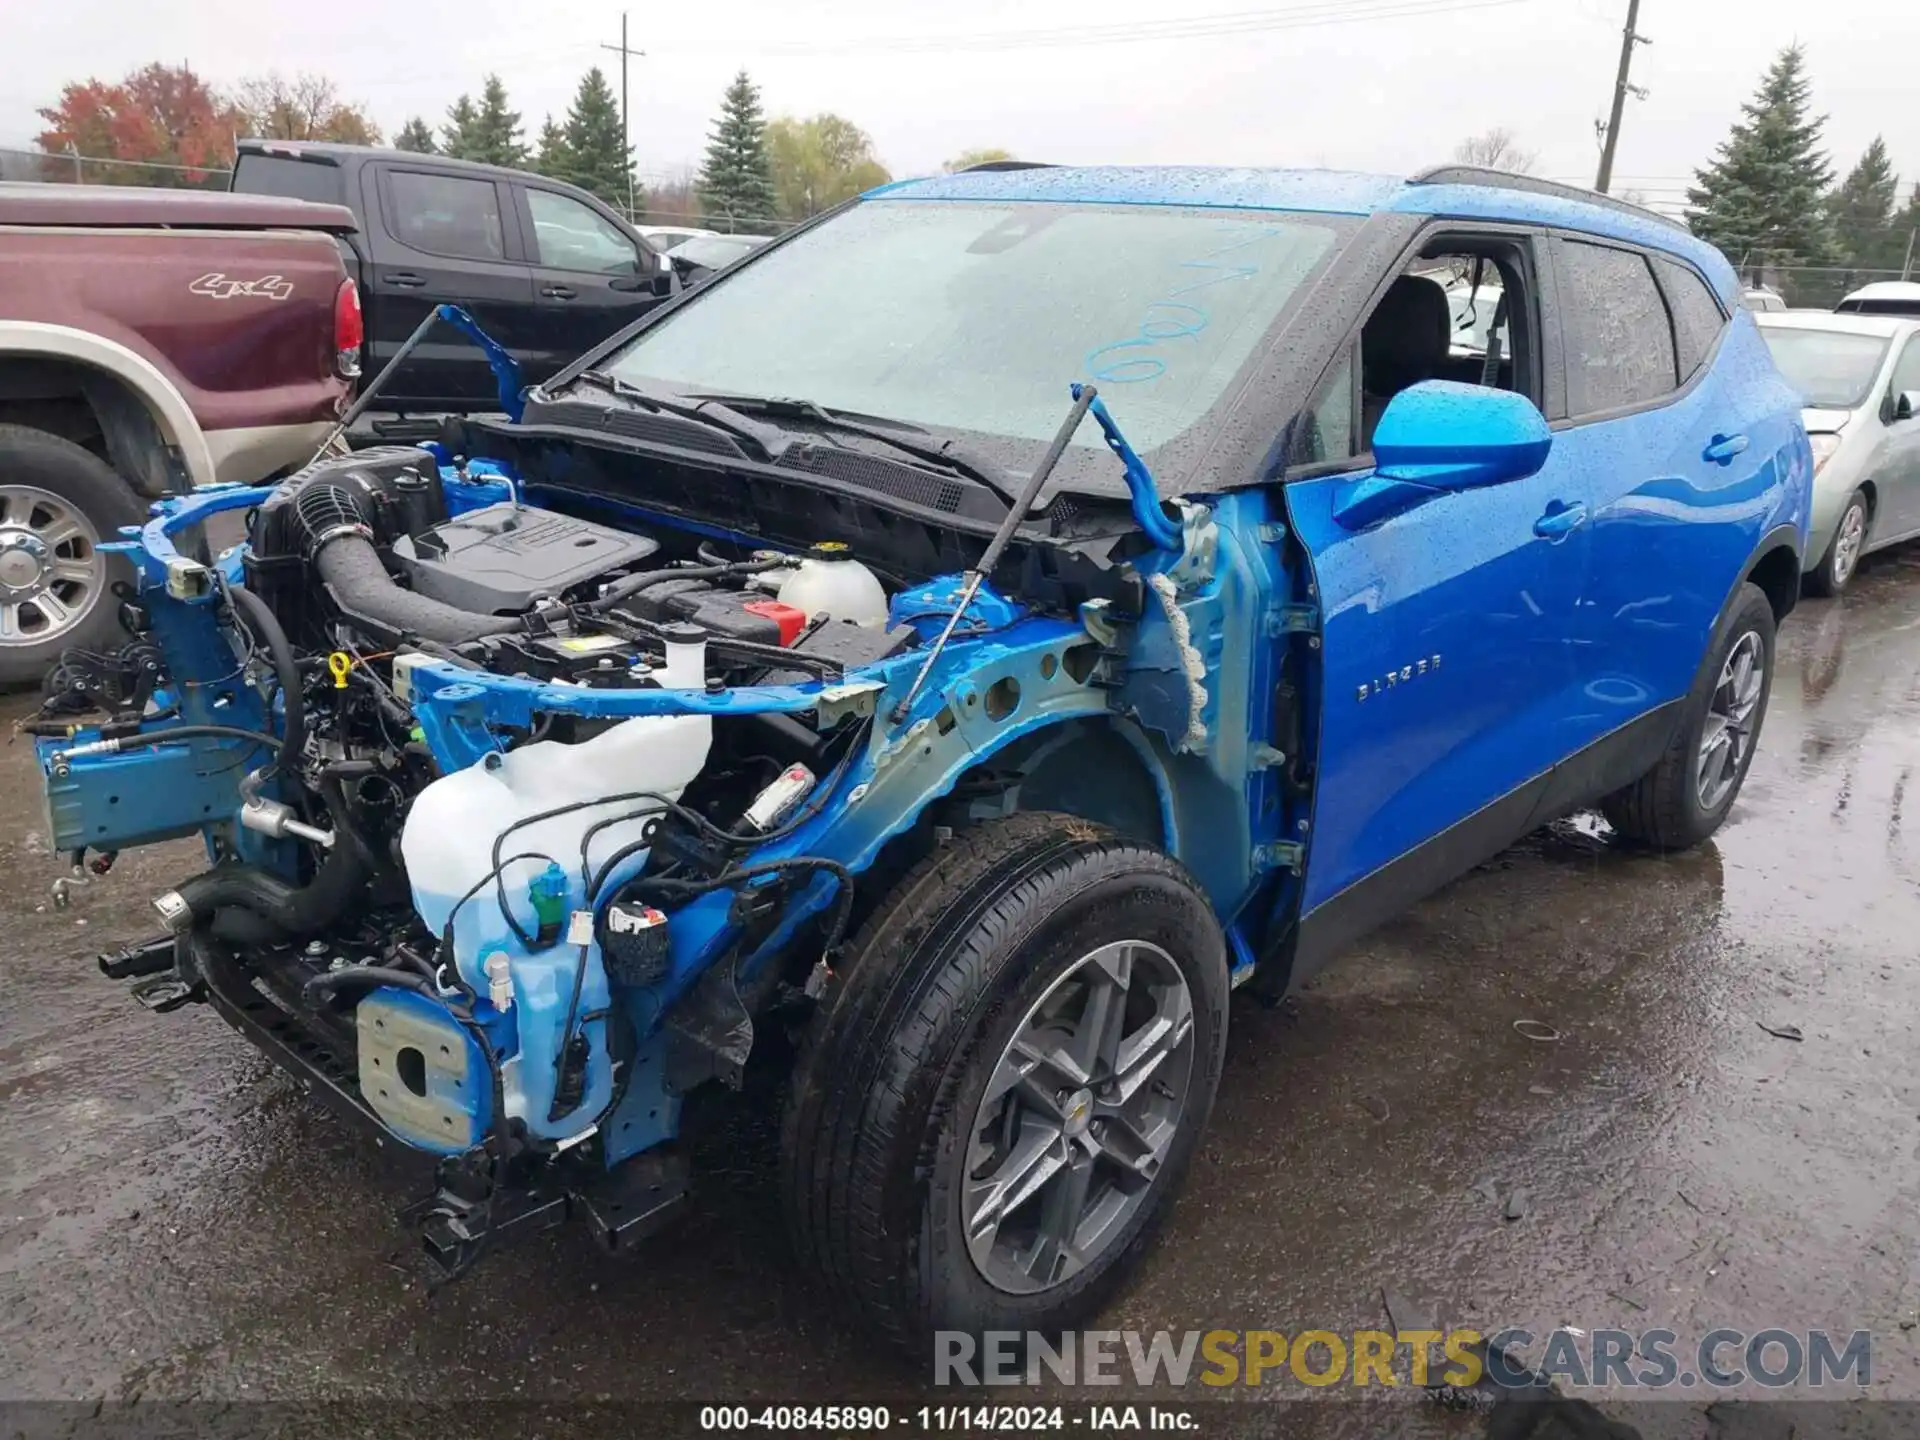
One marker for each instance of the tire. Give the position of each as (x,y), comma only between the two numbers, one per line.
(57,502)
(1674,806)
(1842,561)
(890,1084)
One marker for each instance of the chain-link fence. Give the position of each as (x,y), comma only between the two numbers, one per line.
(73,168)
(1821,287)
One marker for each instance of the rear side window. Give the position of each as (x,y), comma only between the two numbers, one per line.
(1697,316)
(297,179)
(1618,338)
(447,215)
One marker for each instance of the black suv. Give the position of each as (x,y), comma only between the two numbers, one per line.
(549,270)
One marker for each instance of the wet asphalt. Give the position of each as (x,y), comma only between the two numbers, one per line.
(177,1220)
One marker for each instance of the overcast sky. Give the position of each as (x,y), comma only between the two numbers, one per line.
(1393,91)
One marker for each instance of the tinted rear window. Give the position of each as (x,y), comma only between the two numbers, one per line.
(1879,307)
(1619,340)
(1697,317)
(298,179)
(446,215)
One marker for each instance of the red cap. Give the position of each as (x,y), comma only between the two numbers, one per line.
(790,618)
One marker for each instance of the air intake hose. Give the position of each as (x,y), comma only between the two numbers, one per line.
(336,527)
(351,568)
(246,905)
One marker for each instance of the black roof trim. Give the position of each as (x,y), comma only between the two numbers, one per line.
(993,167)
(328,152)
(1533,185)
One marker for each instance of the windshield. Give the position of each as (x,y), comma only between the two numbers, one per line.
(1832,369)
(974,317)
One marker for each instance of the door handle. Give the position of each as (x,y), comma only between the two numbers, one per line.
(404,278)
(1722,448)
(558,292)
(1560,520)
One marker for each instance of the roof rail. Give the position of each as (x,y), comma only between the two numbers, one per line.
(990,167)
(1533,185)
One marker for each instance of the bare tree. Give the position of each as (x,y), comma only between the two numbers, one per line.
(1495,149)
(306,107)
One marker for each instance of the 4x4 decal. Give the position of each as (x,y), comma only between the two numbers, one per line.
(270,287)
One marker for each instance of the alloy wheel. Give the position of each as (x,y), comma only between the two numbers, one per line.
(1848,542)
(1732,715)
(1078,1116)
(51,568)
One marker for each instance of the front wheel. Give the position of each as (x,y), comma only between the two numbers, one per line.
(1684,798)
(1005,1088)
(1849,543)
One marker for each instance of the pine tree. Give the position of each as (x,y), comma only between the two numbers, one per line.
(416,136)
(1903,243)
(736,182)
(1760,199)
(1860,210)
(458,136)
(597,143)
(551,156)
(496,129)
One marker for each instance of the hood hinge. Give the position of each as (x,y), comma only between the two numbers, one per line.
(1285,620)
(1279,855)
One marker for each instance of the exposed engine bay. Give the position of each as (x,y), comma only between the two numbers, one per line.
(523,810)
(517,818)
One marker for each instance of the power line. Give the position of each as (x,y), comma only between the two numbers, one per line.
(1313,14)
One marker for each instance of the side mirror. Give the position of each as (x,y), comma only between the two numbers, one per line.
(1440,436)
(631,284)
(1906,404)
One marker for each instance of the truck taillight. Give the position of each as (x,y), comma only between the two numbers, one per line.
(349,330)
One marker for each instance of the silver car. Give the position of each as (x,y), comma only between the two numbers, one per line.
(1859,379)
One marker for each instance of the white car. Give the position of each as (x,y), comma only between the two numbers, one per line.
(664,237)
(1859,380)
(1763,301)
(1883,297)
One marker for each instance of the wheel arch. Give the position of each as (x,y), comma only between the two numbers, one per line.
(1054,767)
(147,429)
(1775,568)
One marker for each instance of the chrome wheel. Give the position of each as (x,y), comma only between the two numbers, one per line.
(1078,1116)
(1848,543)
(1732,714)
(51,568)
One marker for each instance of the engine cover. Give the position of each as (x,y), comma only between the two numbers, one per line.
(501,559)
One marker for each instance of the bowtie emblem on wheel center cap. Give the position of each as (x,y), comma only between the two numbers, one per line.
(1078,1112)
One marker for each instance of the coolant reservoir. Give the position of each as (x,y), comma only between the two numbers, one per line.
(830,582)
(448,845)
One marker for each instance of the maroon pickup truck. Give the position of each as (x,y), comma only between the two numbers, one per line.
(150,341)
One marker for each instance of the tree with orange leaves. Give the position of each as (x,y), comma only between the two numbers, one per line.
(160,115)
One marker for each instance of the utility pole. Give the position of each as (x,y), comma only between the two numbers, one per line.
(626,127)
(1629,38)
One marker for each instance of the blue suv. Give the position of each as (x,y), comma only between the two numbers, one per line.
(939,659)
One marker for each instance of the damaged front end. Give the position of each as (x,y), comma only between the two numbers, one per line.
(521,822)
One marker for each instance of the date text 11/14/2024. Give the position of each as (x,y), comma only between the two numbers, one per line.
(949,1419)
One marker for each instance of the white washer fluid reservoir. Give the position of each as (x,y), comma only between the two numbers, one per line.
(448,846)
(831,582)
